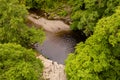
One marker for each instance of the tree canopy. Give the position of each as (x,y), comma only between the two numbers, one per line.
(86,13)
(13,27)
(18,63)
(42,4)
(99,57)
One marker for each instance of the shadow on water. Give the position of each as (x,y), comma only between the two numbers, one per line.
(57,46)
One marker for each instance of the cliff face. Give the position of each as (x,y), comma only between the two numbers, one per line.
(52,70)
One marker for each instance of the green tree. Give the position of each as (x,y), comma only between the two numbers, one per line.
(36,4)
(42,4)
(86,13)
(99,57)
(18,63)
(13,27)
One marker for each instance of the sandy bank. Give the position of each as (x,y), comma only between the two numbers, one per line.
(48,25)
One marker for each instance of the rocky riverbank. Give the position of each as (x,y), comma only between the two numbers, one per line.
(48,25)
(52,70)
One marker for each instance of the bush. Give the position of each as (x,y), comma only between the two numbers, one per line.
(99,57)
(18,63)
(12,25)
(86,13)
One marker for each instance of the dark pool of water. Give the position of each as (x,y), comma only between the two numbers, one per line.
(56,47)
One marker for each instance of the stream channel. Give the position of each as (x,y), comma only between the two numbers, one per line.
(57,46)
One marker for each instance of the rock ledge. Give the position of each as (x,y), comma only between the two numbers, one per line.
(52,70)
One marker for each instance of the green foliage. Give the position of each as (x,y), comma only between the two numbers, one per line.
(62,13)
(99,57)
(18,63)
(52,7)
(37,4)
(13,27)
(86,13)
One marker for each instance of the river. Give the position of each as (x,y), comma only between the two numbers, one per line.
(60,40)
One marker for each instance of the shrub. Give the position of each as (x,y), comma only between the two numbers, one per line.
(18,63)
(99,57)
